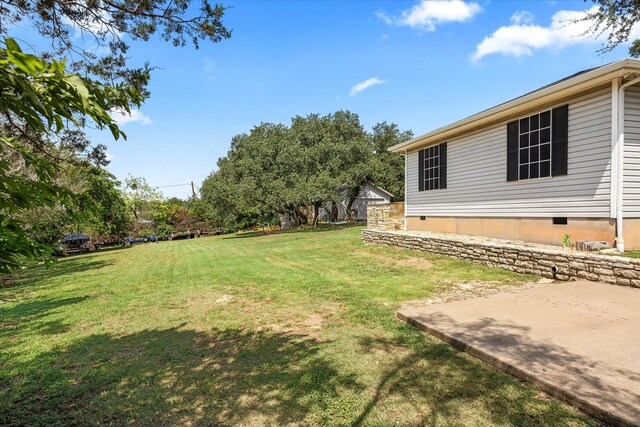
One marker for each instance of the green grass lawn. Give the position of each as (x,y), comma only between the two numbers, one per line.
(630,254)
(289,329)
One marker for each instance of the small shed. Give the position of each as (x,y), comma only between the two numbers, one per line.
(369,195)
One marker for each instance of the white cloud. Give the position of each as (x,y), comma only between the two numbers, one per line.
(523,37)
(98,23)
(522,17)
(427,14)
(122,117)
(110,157)
(365,85)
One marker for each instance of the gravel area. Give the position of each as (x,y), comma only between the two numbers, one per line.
(475,289)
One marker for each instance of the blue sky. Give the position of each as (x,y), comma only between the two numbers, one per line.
(419,64)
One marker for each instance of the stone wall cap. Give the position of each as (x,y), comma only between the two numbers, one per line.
(519,245)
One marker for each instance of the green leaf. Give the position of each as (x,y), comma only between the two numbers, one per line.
(78,85)
(12,45)
(30,64)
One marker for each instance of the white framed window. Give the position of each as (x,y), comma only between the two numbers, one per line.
(431,168)
(534,146)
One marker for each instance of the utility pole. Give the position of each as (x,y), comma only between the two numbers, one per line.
(193,191)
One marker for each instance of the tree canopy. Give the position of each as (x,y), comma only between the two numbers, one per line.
(616,18)
(38,99)
(107,25)
(317,160)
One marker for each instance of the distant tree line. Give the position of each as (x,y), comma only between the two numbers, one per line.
(317,160)
(99,205)
(150,213)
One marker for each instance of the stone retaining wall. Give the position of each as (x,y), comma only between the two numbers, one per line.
(387,216)
(521,257)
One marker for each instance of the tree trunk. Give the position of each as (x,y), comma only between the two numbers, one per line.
(316,208)
(316,211)
(334,211)
(294,216)
(348,209)
(301,216)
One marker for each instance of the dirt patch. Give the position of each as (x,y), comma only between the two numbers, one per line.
(415,262)
(223,299)
(204,300)
(310,325)
(195,300)
(314,321)
(472,289)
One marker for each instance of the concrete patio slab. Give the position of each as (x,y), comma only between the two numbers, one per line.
(577,341)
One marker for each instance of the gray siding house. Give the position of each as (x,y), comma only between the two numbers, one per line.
(564,159)
(369,195)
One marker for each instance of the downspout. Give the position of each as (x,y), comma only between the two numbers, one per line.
(618,154)
(614,148)
(406,187)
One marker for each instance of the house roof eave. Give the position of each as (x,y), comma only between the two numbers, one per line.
(382,190)
(571,86)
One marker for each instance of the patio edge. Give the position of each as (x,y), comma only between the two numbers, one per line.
(550,389)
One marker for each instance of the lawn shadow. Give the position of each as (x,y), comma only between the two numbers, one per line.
(30,311)
(304,229)
(101,250)
(244,235)
(322,227)
(39,274)
(114,248)
(174,377)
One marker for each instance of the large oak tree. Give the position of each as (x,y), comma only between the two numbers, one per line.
(315,162)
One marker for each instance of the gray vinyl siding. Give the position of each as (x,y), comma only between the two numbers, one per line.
(477,173)
(632,153)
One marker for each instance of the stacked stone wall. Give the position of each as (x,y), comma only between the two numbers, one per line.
(388,216)
(520,257)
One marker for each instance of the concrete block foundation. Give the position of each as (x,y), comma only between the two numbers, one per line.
(535,230)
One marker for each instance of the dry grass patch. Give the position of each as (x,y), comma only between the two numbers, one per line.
(472,289)
(309,325)
(414,262)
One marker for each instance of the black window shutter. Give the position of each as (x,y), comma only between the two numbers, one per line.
(559,140)
(421,170)
(443,165)
(512,150)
